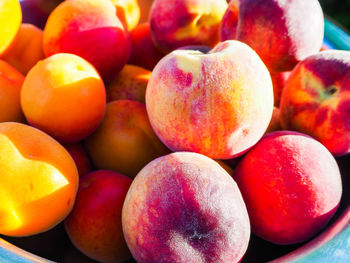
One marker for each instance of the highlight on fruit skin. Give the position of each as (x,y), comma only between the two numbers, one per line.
(70,97)
(10,21)
(39,180)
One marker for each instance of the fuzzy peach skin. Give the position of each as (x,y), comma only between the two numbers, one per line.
(281,32)
(186,22)
(218,104)
(94,226)
(184,207)
(27,48)
(80,157)
(128,12)
(125,141)
(90,29)
(39,180)
(229,22)
(143,51)
(11,82)
(316,100)
(10,21)
(291,186)
(64,96)
(129,84)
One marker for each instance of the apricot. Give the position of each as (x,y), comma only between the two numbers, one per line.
(125,141)
(10,21)
(291,185)
(144,53)
(184,207)
(39,180)
(64,96)
(27,48)
(90,29)
(128,12)
(94,226)
(129,84)
(10,88)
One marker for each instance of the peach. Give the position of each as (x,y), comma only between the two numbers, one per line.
(291,185)
(143,52)
(10,20)
(125,141)
(91,30)
(201,48)
(11,82)
(275,124)
(27,48)
(128,11)
(145,8)
(37,174)
(279,80)
(80,158)
(292,30)
(184,207)
(218,104)
(186,22)
(94,226)
(69,101)
(129,84)
(316,100)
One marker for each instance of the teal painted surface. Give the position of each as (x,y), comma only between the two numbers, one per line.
(336,250)
(10,257)
(335,37)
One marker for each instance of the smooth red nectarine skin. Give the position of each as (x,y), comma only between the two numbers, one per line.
(94,225)
(291,185)
(316,100)
(184,207)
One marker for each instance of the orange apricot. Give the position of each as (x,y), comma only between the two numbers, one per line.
(27,48)
(69,101)
(10,21)
(10,87)
(39,180)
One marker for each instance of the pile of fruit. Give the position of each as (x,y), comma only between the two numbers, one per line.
(169,130)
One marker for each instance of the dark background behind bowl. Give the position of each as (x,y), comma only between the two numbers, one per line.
(339,10)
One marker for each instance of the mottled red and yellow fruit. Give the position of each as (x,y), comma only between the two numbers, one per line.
(129,84)
(218,104)
(91,30)
(281,32)
(316,100)
(69,97)
(186,22)
(37,174)
(143,51)
(10,89)
(94,226)
(184,207)
(291,186)
(125,141)
(10,21)
(27,48)
(128,12)
(145,8)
